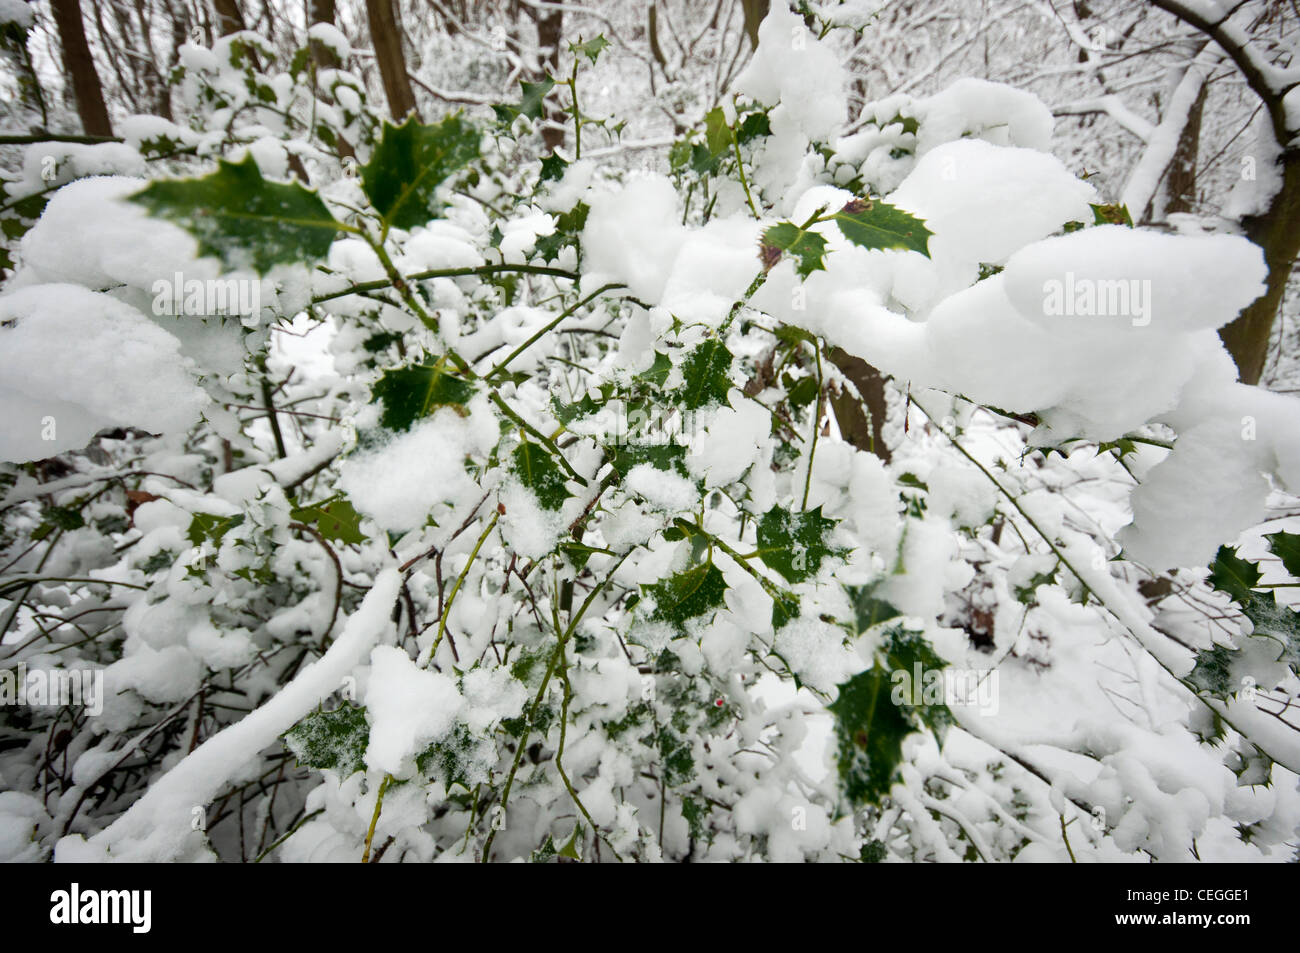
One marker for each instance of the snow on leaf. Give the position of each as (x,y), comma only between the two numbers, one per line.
(331,740)
(687,595)
(243,218)
(794,544)
(536,470)
(707,375)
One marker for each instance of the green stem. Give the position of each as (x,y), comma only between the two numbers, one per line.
(480,270)
(740,165)
(549,327)
(540,437)
(817,420)
(460,580)
(374,818)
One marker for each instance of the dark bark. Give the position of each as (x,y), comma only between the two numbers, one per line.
(755,11)
(1180,186)
(387,39)
(80,68)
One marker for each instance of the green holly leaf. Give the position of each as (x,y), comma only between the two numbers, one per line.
(717,134)
(658,371)
(243,219)
(869,731)
(1286,547)
(1231,574)
(453,758)
(687,595)
(871,223)
(553,167)
(592,48)
(568,229)
(531,104)
(625,457)
(536,470)
(335,519)
(908,652)
(1111,215)
(794,544)
(868,611)
(706,373)
(211,527)
(807,247)
(1213,671)
(1236,576)
(409,164)
(331,740)
(409,394)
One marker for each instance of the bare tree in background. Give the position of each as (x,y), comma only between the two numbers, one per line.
(80,68)
(386,36)
(1276,228)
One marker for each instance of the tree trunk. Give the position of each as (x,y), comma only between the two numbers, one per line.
(80,68)
(1277,231)
(229,18)
(550,32)
(755,11)
(322,11)
(1180,186)
(387,39)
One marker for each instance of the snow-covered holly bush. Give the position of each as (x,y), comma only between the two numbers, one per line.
(419,496)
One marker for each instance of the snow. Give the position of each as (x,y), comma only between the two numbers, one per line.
(815,651)
(156,828)
(87,235)
(329,36)
(74,362)
(797,74)
(408,707)
(17,11)
(400,482)
(633,235)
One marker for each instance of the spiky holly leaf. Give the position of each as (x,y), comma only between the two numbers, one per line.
(909,657)
(536,470)
(1237,578)
(658,371)
(553,167)
(409,164)
(243,219)
(871,223)
(706,375)
(335,519)
(211,527)
(794,544)
(1286,547)
(409,394)
(592,48)
(807,247)
(869,731)
(331,740)
(1231,574)
(531,102)
(690,594)
(869,611)
(1213,671)
(625,457)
